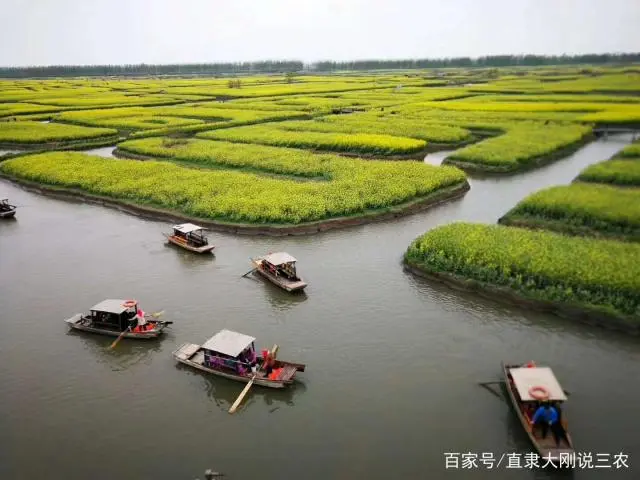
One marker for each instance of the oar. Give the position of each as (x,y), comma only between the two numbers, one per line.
(250,271)
(486,386)
(154,315)
(236,404)
(119,337)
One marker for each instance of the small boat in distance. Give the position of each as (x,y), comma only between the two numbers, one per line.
(280,269)
(6,209)
(529,385)
(113,317)
(190,237)
(232,355)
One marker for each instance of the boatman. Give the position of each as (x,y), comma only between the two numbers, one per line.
(141,320)
(547,417)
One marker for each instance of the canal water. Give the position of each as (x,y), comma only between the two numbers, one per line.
(106,152)
(393,361)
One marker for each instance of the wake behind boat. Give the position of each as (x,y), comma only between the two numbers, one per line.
(118,318)
(528,386)
(232,355)
(280,268)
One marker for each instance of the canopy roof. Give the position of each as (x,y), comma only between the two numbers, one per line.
(110,306)
(279,258)
(228,342)
(526,378)
(187,228)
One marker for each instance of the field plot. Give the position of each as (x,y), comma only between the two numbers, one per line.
(391,125)
(162,120)
(31,133)
(631,151)
(524,144)
(584,272)
(344,142)
(619,171)
(626,83)
(275,90)
(11,109)
(107,100)
(355,188)
(581,208)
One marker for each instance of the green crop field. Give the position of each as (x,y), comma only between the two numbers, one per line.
(621,171)
(601,274)
(581,208)
(36,132)
(367,123)
(357,142)
(355,187)
(522,145)
(631,151)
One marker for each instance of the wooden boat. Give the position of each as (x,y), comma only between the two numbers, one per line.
(280,269)
(190,237)
(231,355)
(112,317)
(527,386)
(6,209)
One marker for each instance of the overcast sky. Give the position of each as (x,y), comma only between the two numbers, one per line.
(46,32)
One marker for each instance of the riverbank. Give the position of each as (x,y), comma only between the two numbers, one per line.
(568,228)
(580,313)
(591,280)
(148,211)
(42,148)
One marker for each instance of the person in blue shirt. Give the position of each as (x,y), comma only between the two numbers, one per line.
(547,417)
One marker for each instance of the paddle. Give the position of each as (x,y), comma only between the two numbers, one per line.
(236,404)
(119,337)
(153,315)
(250,271)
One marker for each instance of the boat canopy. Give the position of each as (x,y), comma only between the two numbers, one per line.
(279,258)
(110,306)
(187,228)
(527,378)
(228,343)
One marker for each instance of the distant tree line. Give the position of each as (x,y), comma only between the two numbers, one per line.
(145,69)
(324,66)
(488,61)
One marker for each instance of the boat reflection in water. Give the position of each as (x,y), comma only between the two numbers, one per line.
(280,300)
(224,392)
(127,355)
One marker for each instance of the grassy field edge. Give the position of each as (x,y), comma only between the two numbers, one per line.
(154,212)
(574,311)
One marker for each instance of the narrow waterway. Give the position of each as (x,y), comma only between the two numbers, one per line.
(393,361)
(7,152)
(106,152)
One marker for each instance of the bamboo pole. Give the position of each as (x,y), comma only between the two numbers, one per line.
(246,389)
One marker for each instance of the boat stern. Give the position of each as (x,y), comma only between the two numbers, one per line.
(185,351)
(73,320)
(297,286)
